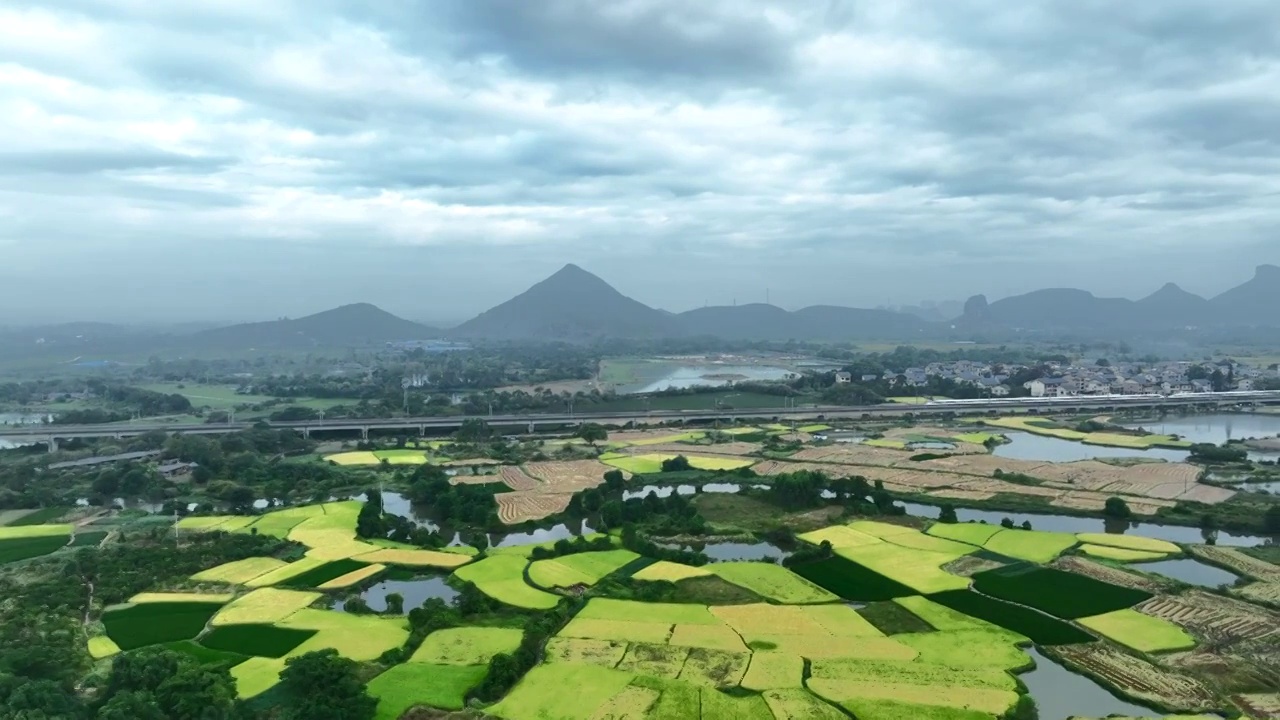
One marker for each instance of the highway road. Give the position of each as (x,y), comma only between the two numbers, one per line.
(52,433)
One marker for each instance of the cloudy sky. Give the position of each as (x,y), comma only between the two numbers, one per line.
(247,159)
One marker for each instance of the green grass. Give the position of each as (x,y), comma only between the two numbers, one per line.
(1061,594)
(995,648)
(851,580)
(323,574)
(410,684)
(893,619)
(30,531)
(972,533)
(155,623)
(257,640)
(217,397)
(773,582)
(14,549)
(865,709)
(467,645)
(796,704)
(716,705)
(563,690)
(1040,628)
(1140,632)
(501,577)
(40,517)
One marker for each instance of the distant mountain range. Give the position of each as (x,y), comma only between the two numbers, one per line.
(350,325)
(1253,304)
(574,305)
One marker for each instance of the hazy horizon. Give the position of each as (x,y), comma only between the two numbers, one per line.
(240,161)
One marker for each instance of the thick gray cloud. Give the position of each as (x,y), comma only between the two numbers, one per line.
(240,159)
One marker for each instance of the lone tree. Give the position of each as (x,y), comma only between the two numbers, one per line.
(947,514)
(1117,508)
(593,433)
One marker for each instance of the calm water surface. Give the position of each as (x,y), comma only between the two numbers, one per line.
(1025,446)
(1190,571)
(1215,429)
(736,550)
(1060,694)
(415,592)
(703,375)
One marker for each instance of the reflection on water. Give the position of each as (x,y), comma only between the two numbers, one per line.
(1025,446)
(1060,693)
(664,491)
(1216,429)
(1192,572)
(541,535)
(1068,523)
(735,550)
(415,592)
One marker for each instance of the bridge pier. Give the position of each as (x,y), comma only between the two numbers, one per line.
(53,444)
(364,433)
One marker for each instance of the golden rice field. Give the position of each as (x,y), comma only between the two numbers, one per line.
(664,570)
(1108,552)
(354,577)
(171,597)
(33,531)
(415,558)
(239,572)
(651,463)
(264,605)
(1138,631)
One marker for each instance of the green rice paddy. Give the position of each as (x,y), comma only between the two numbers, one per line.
(318,576)
(410,684)
(136,626)
(1061,594)
(1042,629)
(22,548)
(851,581)
(257,640)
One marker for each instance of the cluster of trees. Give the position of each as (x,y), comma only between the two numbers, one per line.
(808,489)
(1209,453)
(672,515)
(466,504)
(809,553)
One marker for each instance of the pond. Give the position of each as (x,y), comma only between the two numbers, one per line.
(660,376)
(1192,572)
(414,591)
(1071,524)
(1272,487)
(735,550)
(1025,446)
(1216,428)
(1060,693)
(664,491)
(541,535)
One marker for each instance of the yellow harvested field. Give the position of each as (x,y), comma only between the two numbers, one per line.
(1130,542)
(670,572)
(175,597)
(771,670)
(753,621)
(353,458)
(714,637)
(285,572)
(987,700)
(517,479)
(101,646)
(1120,554)
(632,702)
(352,578)
(840,536)
(841,621)
(239,572)
(358,637)
(619,630)
(518,507)
(570,476)
(823,647)
(414,558)
(264,605)
(197,523)
(605,653)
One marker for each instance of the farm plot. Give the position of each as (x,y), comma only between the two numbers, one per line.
(179,597)
(401,457)
(569,476)
(1222,621)
(264,606)
(772,582)
(852,454)
(1031,545)
(1110,575)
(660,661)
(353,458)
(664,570)
(1136,677)
(353,577)
(322,574)
(415,558)
(516,479)
(1120,554)
(1143,633)
(136,626)
(279,523)
(618,630)
(1042,629)
(790,704)
(945,619)
(585,651)
(851,580)
(255,640)
(1238,562)
(541,693)
(467,645)
(843,681)
(716,705)
(22,548)
(501,577)
(285,572)
(774,670)
(101,646)
(440,686)
(630,610)
(239,572)
(518,507)
(585,569)
(972,533)
(919,570)
(1061,594)
(711,637)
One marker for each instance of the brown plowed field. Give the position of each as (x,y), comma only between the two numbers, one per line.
(1263,706)
(1136,677)
(854,454)
(516,479)
(517,507)
(958,494)
(1106,573)
(1218,619)
(570,476)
